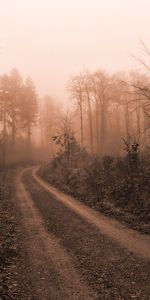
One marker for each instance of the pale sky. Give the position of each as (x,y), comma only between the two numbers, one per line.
(51,40)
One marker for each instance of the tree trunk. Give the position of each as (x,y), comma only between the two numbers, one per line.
(127,120)
(97,125)
(81,122)
(138,119)
(90,121)
(29,135)
(103,125)
(13,132)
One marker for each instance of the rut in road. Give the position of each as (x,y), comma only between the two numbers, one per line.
(126,238)
(53,274)
(70,256)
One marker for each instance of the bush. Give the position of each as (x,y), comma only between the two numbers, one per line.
(104,181)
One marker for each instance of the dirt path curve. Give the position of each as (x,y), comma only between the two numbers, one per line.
(76,253)
(53,274)
(126,238)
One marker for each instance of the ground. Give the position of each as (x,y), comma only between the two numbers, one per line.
(57,252)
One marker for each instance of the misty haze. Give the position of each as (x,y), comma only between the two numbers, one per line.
(74,149)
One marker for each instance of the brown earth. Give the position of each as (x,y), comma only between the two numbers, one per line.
(68,251)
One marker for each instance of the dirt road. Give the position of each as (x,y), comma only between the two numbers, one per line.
(76,253)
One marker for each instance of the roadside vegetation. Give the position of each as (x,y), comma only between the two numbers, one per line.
(118,186)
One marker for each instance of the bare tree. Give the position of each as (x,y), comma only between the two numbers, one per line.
(75,87)
(3,115)
(87,88)
(48,120)
(15,97)
(102,95)
(29,109)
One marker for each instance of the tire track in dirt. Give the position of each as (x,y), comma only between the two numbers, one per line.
(106,267)
(53,273)
(126,238)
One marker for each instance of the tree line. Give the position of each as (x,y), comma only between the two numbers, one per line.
(106,112)
(18,112)
(110,108)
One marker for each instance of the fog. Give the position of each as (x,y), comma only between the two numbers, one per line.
(75,70)
(75,149)
(50,40)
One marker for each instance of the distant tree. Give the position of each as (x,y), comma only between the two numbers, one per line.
(18,111)
(11,97)
(69,147)
(87,92)
(15,98)
(65,138)
(77,93)
(4,99)
(29,108)
(142,83)
(100,88)
(48,112)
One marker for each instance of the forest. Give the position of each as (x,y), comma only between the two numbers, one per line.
(95,148)
(105,113)
(74,150)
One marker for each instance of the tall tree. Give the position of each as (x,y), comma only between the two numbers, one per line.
(77,93)
(87,88)
(101,92)
(29,108)
(48,120)
(4,99)
(15,97)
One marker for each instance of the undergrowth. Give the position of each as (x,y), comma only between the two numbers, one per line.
(115,185)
